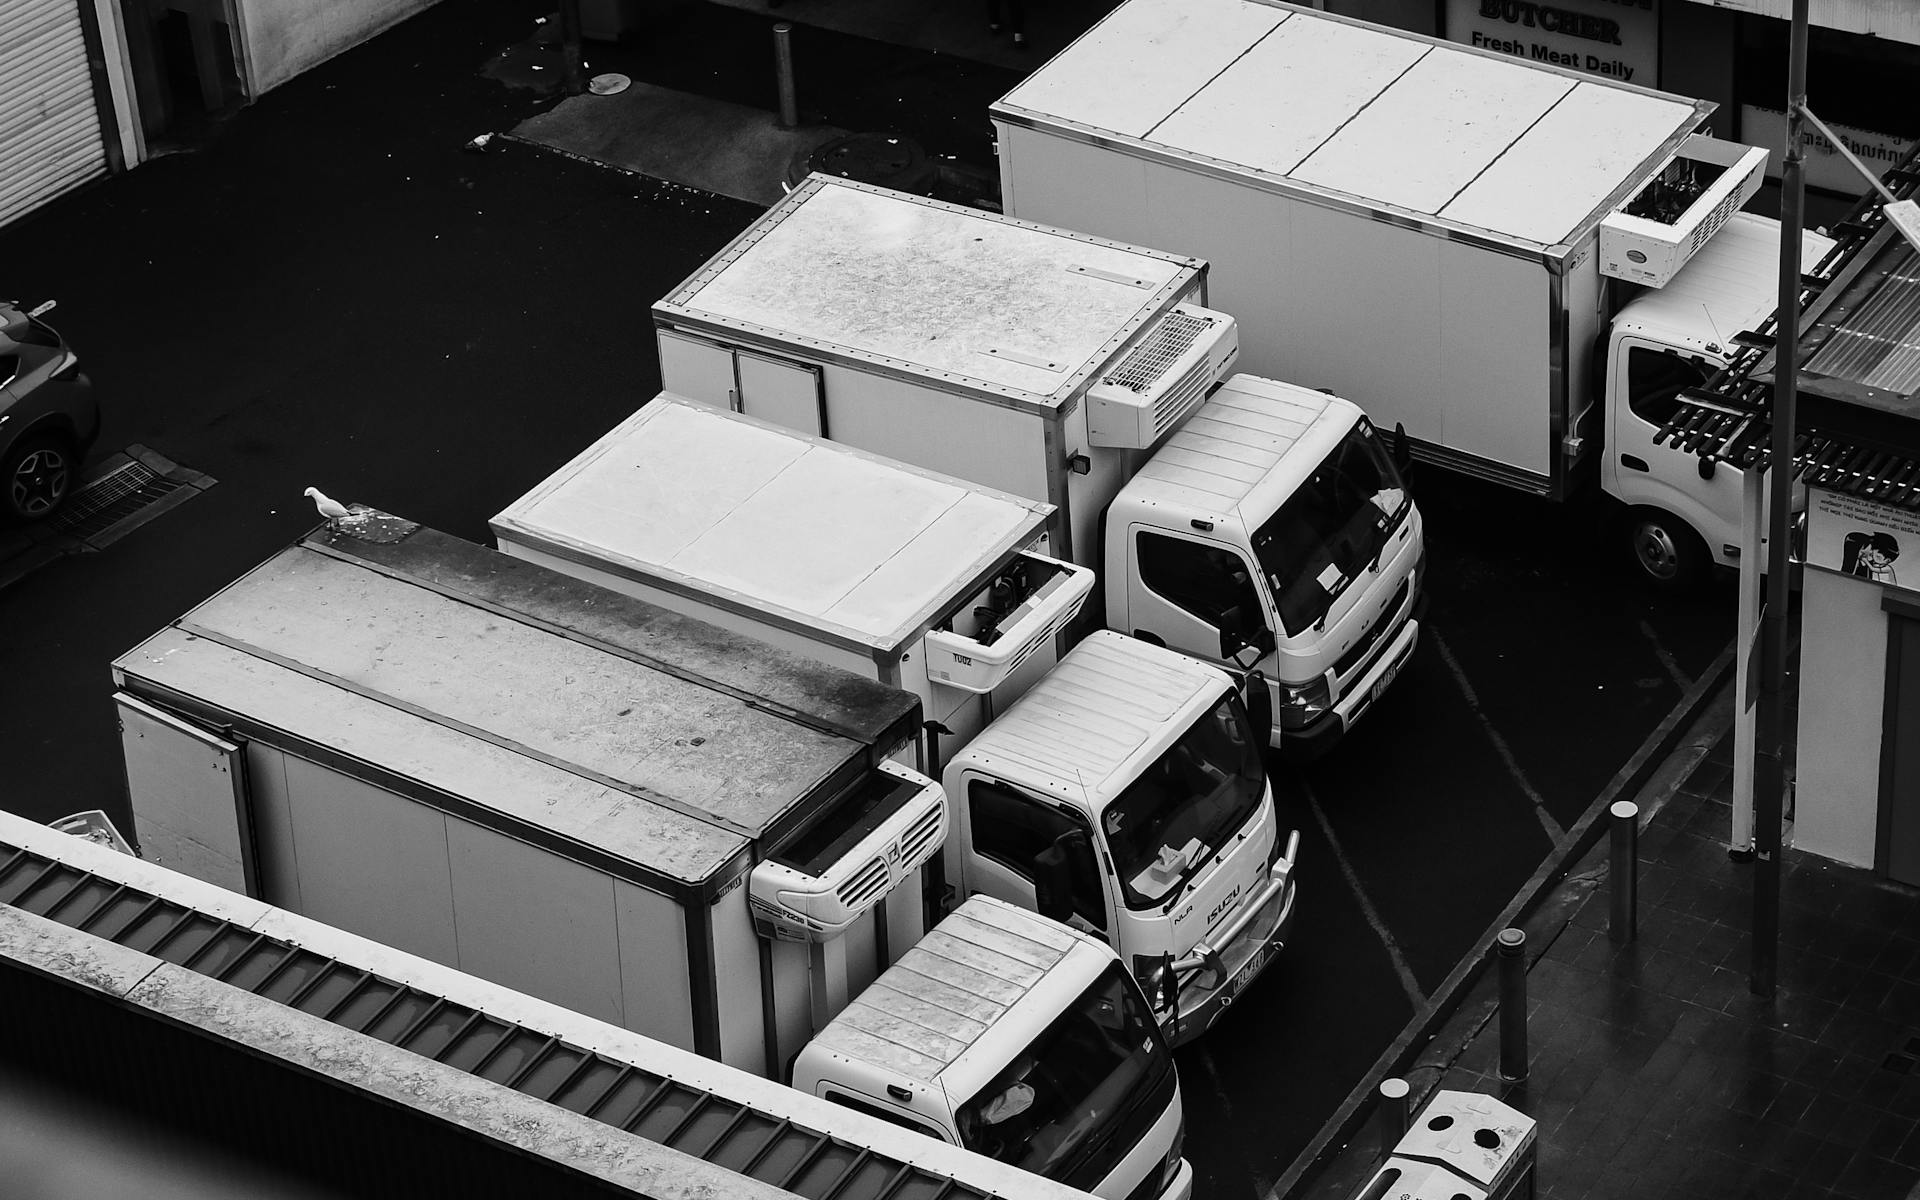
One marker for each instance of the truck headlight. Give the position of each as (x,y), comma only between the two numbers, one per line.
(1154,973)
(1301,704)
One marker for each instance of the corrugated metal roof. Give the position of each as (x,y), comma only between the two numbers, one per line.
(624,1094)
(1857,425)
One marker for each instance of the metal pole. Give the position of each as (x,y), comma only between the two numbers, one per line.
(1511,950)
(1624,873)
(1770,767)
(783,70)
(573,78)
(1393,1114)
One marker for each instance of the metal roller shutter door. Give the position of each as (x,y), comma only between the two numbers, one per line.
(49,127)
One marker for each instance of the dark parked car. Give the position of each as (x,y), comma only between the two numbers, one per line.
(48,416)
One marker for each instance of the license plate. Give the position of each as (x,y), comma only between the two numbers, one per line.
(1244,975)
(1386,680)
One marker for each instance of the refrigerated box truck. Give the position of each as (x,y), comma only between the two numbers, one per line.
(1124,793)
(628,813)
(1059,367)
(1469,244)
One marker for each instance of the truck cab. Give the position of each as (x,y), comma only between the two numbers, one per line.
(1683,518)
(1274,522)
(1020,1039)
(1126,795)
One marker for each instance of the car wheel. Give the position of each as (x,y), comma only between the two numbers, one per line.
(35,477)
(1666,550)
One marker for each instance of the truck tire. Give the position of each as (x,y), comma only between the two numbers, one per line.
(1666,551)
(35,477)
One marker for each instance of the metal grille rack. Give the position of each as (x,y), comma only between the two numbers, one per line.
(727,1133)
(1730,417)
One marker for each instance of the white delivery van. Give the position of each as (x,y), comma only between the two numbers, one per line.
(928,583)
(1456,239)
(1055,366)
(1088,1103)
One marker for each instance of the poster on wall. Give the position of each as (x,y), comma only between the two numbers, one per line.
(1825,168)
(1863,538)
(1618,39)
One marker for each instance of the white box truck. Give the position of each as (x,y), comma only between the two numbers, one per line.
(606,804)
(1057,366)
(1125,792)
(1518,263)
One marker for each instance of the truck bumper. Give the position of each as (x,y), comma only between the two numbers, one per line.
(1242,959)
(1182,1186)
(1313,739)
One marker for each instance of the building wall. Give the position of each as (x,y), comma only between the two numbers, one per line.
(285,37)
(1843,660)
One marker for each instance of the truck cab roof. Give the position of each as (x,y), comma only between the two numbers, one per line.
(1241,454)
(1110,707)
(959,1005)
(1729,286)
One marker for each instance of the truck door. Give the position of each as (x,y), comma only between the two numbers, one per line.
(782,391)
(1647,381)
(1007,830)
(1185,588)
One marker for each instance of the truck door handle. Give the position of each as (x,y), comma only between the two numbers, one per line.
(1634,461)
(1151,639)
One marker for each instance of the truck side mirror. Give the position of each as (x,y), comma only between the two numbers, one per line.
(1053,875)
(1258,698)
(1402,452)
(1235,637)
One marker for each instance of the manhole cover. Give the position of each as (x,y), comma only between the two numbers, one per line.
(111,499)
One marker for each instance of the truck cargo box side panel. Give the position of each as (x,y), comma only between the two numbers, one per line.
(1495,361)
(1582,298)
(273,826)
(1163,51)
(792,998)
(189,794)
(736,966)
(776,635)
(984,443)
(653,965)
(534,921)
(372,862)
(695,368)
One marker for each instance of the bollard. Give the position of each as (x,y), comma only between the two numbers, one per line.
(1511,950)
(1393,1113)
(1624,872)
(783,70)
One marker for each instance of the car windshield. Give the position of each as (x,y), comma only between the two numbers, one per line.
(1170,821)
(1332,528)
(1056,1108)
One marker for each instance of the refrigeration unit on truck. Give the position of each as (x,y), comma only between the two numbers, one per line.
(1143,760)
(1052,365)
(619,809)
(1470,245)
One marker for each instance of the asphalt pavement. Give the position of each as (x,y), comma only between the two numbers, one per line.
(333,291)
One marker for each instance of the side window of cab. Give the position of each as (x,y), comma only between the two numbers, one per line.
(1012,829)
(1209,582)
(1655,379)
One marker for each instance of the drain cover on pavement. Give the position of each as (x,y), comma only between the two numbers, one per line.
(121,494)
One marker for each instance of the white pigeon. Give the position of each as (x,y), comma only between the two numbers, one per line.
(329,508)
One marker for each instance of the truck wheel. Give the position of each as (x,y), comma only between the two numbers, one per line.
(1669,554)
(35,477)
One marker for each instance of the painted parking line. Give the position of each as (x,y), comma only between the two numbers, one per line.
(1667,660)
(1408,983)
(1553,827)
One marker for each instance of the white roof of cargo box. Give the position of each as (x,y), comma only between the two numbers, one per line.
(971,298)
(588,721)
(1304,101)
(803,533)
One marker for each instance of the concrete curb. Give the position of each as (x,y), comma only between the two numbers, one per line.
(1341,1128)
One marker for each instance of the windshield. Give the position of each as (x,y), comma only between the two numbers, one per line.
(1170,821)
(1098,1070)
(1332,529)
